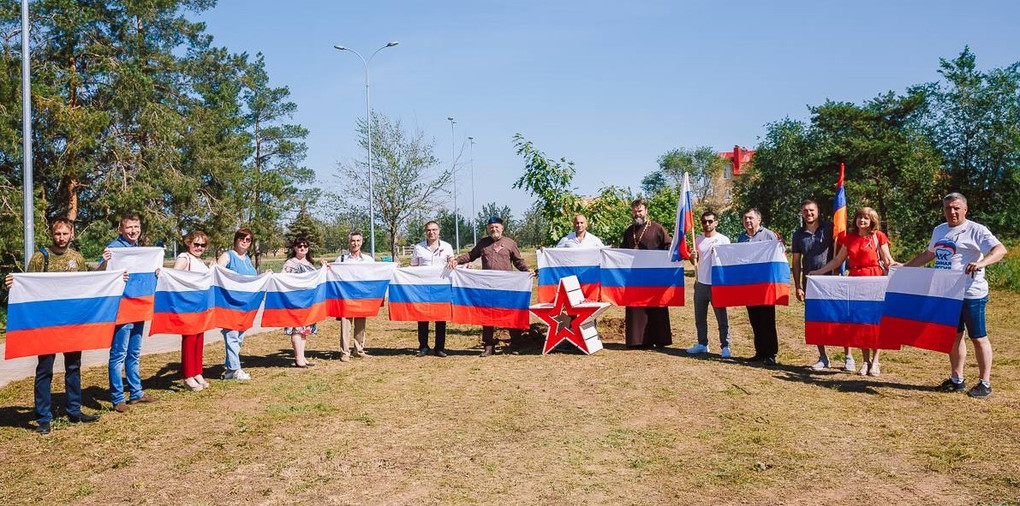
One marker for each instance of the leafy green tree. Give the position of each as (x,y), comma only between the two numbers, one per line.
(305,226)
(491,209)
(550,182)
(703,164)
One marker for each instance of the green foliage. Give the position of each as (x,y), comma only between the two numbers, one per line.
(702,163)
(305,226)
(1005,274)
(550,182)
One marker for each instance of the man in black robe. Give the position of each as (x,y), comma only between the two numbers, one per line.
(646,326)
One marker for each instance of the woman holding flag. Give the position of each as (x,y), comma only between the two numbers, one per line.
(193,344)
(236,259)
(300,261)
(867,249)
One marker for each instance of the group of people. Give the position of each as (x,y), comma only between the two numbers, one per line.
(958,244)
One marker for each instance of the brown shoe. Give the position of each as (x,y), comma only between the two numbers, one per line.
(121,407)
(345,358)
(144,399)
(489,351)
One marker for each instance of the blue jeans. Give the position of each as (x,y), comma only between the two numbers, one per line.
(126,353)
(703,299)
(972,317)
(72,385)
(232,340)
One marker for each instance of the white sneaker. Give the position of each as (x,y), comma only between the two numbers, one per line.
(697,349)
(823,363)
(725,352)
(237,374)
(850,366)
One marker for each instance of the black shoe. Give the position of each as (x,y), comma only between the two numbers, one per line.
(43,428)
(422,352)
(440,353)
(489,351)
(83,418)
(980,390)
(950,386)
(756,358)
(770,361)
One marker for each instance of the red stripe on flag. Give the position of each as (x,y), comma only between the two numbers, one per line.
(591,291)
(759,294)
(853,335)
(643,296)
(181,323)
(49,340)
(353,308)
(491,316)
(420,311)
(233,319)
(925,335)
(135,309)
(295,317)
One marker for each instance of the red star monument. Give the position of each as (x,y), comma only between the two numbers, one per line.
(571,318)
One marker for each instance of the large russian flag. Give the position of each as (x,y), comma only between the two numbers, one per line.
(419,294)
(641,278)
(495,298)
(750,274)
(357,289)
(237,298)
(295,299)
(922,307)
(141,265)
(679,250)
(56,312)
(845,311)
(555,264)
(184,304)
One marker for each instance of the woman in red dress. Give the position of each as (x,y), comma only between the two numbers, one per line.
(867,249)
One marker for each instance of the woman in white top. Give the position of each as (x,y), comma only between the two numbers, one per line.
(300,261)
(192,345)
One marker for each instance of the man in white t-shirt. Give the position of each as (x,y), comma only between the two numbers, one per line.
(580,238)
(962,245)
(352,330)
(431,251)
(702,259)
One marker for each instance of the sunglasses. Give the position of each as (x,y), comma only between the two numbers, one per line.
(301,246)
(198,244)
(246,239)
(708,221)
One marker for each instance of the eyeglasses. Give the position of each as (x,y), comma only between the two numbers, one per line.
(305,246)
(246,239)
(198,244)
(708,221)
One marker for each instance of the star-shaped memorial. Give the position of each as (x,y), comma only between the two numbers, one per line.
(571,318)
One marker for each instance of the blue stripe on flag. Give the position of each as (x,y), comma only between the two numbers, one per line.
(484,297)
(586,274)
(232,299)
(374,289)
(58,313)
(649,276)
(922,308)
(843,311)
(750,274)
(420,293)
(140,284)
(840,199)
(295,299)
(193,301)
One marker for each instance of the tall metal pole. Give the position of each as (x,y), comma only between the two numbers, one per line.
(27,174)
(474,214)
(368,123)
(453,170)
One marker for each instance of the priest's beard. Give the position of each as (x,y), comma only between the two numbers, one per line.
(639,222)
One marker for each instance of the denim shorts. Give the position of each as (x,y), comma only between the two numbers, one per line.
(973,317)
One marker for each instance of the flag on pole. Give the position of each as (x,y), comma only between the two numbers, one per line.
(237,298)
(750,274)
(295,299)
(139,293)
(839,212)
(357,289)
(844,311)
(922,307)
(420,294)
(496,298)
(555,264)
(184,303)
(641,278)
(684,229)
(57,312)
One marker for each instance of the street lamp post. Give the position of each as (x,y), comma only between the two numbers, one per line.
(474,214)
(368,123)
(453,171)
(27,173)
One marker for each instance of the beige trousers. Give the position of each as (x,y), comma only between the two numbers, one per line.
(349,326)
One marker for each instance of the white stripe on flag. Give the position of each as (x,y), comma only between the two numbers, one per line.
(616,258)
(135,260)
(515,281)
(870,288)
(568,257)
(928,282)
(52,286)
(294,281)
(745,253)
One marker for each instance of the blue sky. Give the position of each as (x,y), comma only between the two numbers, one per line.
(609,85)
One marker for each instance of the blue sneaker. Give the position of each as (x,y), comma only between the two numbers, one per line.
(697,349)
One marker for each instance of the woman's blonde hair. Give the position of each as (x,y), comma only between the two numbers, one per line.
(871,214)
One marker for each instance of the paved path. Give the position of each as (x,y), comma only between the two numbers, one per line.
(13,370)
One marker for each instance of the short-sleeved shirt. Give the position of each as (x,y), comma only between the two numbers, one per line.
(863,252)
(360,257)
(293,265)
(704,246)
(815,248)
(955,247)
(588,241)
(68,261)
(241,264)
(195,264)
(763,234)
(422,254)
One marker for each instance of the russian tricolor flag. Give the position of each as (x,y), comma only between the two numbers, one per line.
(295,299)
(184,304)
(140,264)
(845,311)
(555,264)
(56,312)
(678,249)
(922,307)
(357,289)
(237,298)
(421,294)
(642,278)
(750,274)
(495,298)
